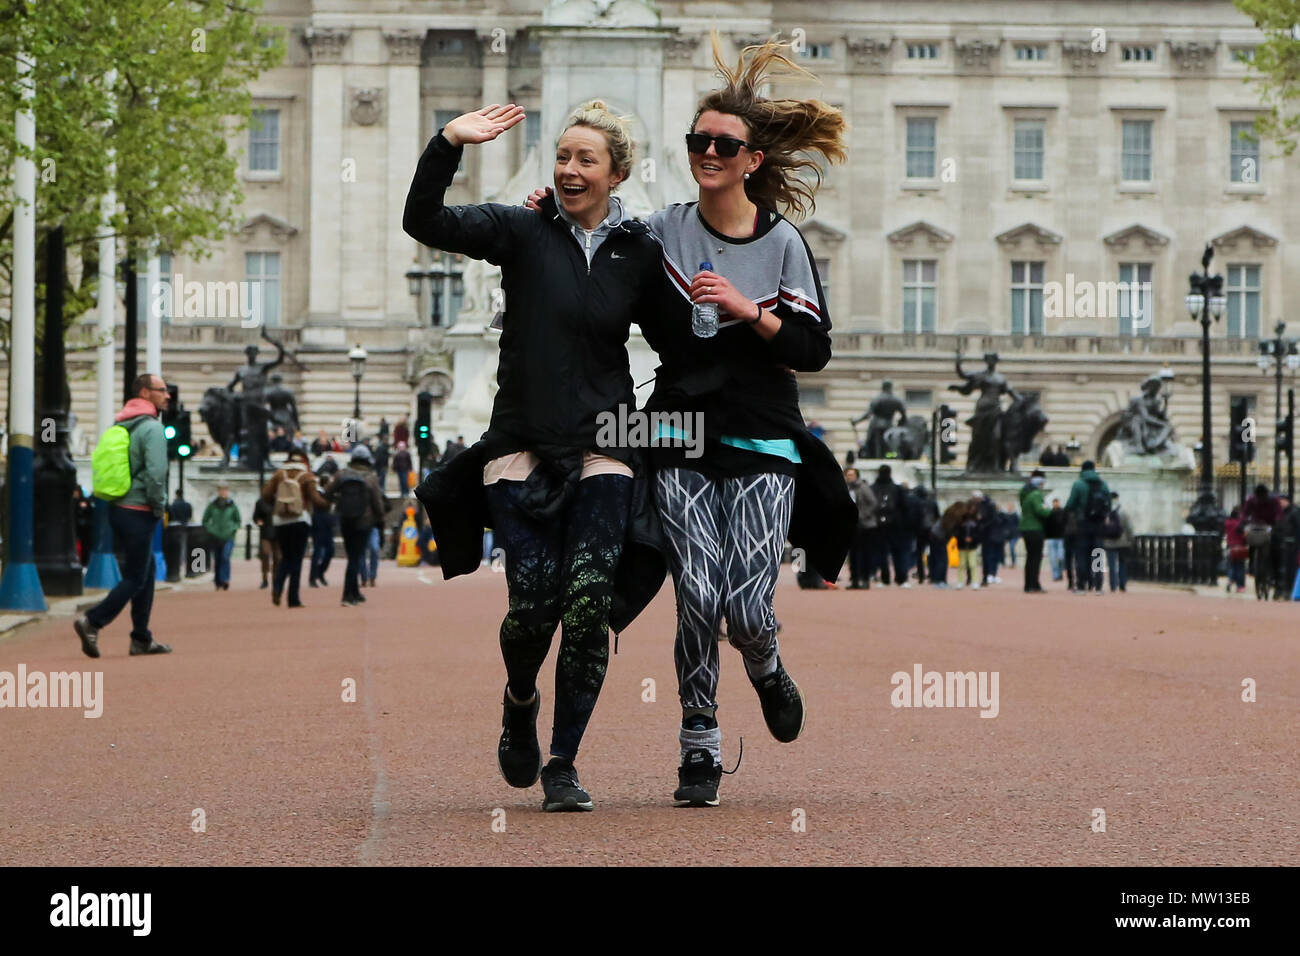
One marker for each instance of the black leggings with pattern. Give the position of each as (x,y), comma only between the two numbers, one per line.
(561,572)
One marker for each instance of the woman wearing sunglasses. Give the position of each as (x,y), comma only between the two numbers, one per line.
(726,514)
(560,505)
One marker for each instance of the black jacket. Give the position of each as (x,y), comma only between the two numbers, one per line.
(455,499)
(564,339)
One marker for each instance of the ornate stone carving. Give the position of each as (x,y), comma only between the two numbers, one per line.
(977,53)
(325,45)
(679,49)
(1081,55)
(1192,56)
(1032,232)
(1150,239)
(404,47)
(1227,242)
(367,105)
(903,238)
(869,53)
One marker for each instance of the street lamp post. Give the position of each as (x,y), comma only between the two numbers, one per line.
(441,273)
(358,359)
(1205,300)
(1278,352)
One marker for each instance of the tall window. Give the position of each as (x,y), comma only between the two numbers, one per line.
(824,274)
(1029,137)
(448,290)
(918,295)
(1243,153)
(1135,306)
(1243,301)
(262,273)
(532,130)
(440,119)
(920,147)
(1027,298)
(923,51)
(264,141)
(1135,151)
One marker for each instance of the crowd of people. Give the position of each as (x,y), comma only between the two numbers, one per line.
(1086,536)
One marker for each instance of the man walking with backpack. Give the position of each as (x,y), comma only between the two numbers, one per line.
(130,469)
(891,532)
(221,519)
(293,494)
(1089,503)
(1118,542)
(360,507)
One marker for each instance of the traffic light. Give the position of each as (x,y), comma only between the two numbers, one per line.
(947,434)
(184,444)
(1239,449)
(424,424)
(169,419)
(1285,434)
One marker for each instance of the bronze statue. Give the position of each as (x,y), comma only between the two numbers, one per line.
(282,406)
(997,437)
(1146,429)
(881,411)
(251,405)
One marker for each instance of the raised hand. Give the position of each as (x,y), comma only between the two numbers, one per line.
(534,200)
(482,126)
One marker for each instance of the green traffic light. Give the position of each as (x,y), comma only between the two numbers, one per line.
(183,451)
(170,432)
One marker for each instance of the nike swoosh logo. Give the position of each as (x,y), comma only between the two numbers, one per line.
(615,255)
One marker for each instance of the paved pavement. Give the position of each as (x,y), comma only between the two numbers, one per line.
(1130,704)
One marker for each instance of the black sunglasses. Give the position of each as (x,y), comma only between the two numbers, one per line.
(726,146)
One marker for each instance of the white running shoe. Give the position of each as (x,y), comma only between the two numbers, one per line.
(975,586)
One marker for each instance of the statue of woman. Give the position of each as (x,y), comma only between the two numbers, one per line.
(986,423)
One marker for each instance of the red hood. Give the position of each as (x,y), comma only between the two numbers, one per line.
(135,408)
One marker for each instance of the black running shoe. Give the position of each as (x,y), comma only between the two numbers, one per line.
(782,702)
(697,780)
(89,635)
(561,788)
(518,756)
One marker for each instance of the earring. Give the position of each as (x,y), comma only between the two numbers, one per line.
(746,175)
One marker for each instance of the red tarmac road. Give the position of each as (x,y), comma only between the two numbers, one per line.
(1131,704)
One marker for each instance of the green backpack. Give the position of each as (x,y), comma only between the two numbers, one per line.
(111,464)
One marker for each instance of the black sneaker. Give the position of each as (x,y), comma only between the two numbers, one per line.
(697,780)
(518,757)
(561,788)
(89,635)
(153,647)
(782,703)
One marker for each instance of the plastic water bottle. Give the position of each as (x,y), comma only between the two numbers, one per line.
(704,315)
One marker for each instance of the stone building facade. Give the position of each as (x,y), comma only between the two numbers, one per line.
(994,149)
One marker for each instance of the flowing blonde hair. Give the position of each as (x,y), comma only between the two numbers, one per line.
(785,130)
(595,114)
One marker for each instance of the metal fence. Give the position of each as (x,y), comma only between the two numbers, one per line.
(1176,558)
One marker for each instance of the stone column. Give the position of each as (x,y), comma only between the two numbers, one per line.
(324,300)
(494,166)
(404,147)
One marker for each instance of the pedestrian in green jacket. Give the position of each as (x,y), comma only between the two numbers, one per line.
(1032,512)
(221,519)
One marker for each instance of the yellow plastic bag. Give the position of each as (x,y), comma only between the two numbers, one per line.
(953,557)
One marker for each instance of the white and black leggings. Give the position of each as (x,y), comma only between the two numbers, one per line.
(726,538)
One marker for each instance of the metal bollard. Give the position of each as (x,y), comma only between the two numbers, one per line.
(248,542)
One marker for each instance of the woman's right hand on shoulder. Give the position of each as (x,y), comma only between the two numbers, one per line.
(482,126)
(534,200)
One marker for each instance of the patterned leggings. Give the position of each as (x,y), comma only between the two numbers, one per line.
(560,572)
(725,543)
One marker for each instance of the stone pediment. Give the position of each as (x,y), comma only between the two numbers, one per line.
(823,231)
(1227,241)
(277,226)
(905,236)
(600,13)
(1031,232)
(1136,233)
